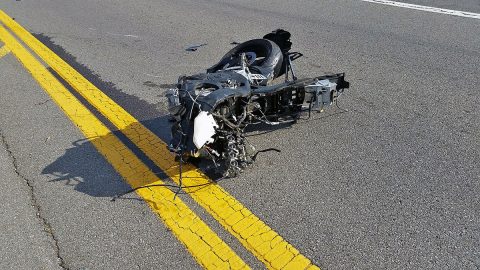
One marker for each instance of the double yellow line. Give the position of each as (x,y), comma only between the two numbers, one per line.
(206,246)
(4,51)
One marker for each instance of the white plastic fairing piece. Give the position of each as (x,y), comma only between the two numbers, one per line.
(203,129)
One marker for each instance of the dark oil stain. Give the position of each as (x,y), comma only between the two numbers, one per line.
(162,85)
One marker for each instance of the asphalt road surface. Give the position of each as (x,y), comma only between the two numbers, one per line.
(391,184)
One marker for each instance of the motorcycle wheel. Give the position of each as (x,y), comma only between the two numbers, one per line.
(269,54)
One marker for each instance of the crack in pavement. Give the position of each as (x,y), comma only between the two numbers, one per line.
(47,228)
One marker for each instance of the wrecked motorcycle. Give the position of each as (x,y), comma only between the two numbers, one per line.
(211,110)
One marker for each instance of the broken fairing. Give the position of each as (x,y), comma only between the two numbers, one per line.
(211,110)
(203,129)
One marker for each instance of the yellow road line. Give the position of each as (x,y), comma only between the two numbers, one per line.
(4,51)
(254,234)
(205,246)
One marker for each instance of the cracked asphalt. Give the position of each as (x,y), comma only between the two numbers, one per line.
(29,235)
(391,184)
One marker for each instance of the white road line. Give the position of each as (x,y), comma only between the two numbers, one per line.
(427,8)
